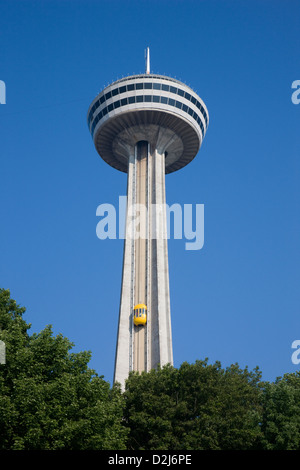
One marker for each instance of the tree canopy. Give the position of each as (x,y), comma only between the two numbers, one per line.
(281,413)
(49,397)
(196,407)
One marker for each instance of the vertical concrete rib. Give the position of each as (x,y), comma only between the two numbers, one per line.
(161,317)
(123,361)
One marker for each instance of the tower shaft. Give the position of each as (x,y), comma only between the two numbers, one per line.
(145,276)
(146,125)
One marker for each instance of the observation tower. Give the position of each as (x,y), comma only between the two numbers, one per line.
(147,126)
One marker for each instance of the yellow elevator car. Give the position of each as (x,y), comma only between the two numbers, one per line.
(140,314)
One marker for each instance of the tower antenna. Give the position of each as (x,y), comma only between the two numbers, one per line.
(147,57)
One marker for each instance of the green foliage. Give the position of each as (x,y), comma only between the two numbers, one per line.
(281,416)
(49,398)
(195,407)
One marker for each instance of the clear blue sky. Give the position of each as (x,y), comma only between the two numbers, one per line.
(237,299)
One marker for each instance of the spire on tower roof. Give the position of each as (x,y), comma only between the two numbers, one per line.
(147,57)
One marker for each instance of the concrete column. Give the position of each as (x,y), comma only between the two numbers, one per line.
(123,359)
(145,268)
(161,335)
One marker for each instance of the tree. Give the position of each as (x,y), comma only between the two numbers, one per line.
(198,406)
(281,417)
(49,397)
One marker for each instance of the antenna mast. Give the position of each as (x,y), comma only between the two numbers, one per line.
(147,61)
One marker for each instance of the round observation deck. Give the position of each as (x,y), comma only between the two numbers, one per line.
(164,111)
